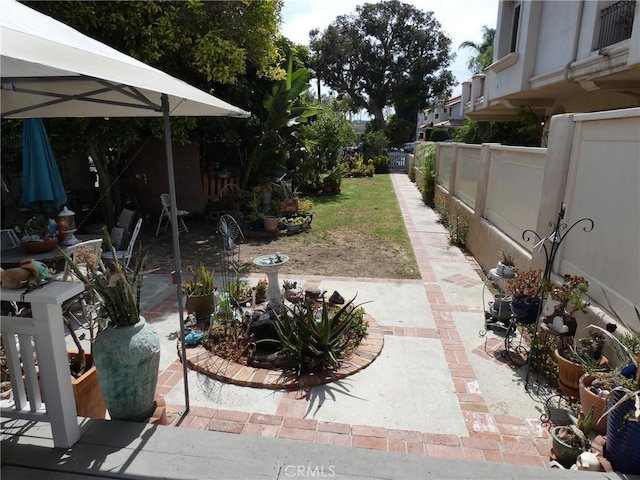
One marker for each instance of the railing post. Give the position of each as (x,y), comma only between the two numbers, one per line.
(47,329)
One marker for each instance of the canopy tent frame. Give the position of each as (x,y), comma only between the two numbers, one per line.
(37,51)
(145,103)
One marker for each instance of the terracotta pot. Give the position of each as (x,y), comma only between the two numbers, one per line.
(569,374)
(39,247)
(86,391)
(589,400)
(271,224)
(289,205)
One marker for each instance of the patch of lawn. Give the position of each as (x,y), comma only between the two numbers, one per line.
(365,212)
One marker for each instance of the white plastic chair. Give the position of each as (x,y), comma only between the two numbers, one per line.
(165,216)
(92,246)
(9,238)
(125,255)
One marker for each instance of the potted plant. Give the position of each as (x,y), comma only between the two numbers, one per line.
(585,355)
(261,290)
(305,206)
(239,291)
(127,350)
(253,206)
(569,441)
(332,182)
(525,290)
(200,292)
(81,311)
(291,291)
(506,266)
(271,220)
(563,301)
(77,313)
(623,409)
(289,201)
(594,388)
(37,235)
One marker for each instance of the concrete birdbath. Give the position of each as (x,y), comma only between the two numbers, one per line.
(271,264)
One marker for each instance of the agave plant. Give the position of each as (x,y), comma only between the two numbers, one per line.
(316,340)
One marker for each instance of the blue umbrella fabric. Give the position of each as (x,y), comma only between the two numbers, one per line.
(42,187)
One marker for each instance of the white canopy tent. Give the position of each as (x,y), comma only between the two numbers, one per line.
(49,69)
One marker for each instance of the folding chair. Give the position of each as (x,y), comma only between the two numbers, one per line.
(9,238)
(125,255)
(165,216)
(125,223)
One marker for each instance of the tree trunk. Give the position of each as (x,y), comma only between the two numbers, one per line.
(105,184)
(378,118)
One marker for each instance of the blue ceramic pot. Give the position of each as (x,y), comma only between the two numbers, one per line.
(622,448)
(127,360)
(526,313)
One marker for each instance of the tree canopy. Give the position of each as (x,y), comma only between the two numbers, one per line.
(196,41)
(228,48)
(386,54)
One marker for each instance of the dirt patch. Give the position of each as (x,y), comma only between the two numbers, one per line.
(336,254)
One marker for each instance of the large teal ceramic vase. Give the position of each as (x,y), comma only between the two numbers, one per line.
(127,360)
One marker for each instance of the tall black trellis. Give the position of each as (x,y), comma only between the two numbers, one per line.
(231,236)
(559,231)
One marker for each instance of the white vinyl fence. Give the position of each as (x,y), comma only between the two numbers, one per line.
(592,165)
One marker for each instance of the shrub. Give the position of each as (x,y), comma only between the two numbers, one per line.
(381,163)
(426,154)
(439,135)
(458,228)
(442,209)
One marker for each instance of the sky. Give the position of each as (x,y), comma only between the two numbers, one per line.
(460,19)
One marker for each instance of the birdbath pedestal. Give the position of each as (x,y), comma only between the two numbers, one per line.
(271,265)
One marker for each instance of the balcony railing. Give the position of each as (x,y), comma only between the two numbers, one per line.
(616,23)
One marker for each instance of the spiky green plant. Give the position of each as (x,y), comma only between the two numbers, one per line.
(118,291)
(201,283)
(317,340)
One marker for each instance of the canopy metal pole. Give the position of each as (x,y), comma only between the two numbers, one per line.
(176,241)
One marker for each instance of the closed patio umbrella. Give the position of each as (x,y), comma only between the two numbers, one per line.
(42,187)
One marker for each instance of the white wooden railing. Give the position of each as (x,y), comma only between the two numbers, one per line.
(40,338)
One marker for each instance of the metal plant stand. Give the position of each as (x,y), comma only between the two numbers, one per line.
(559,232)
(499,317)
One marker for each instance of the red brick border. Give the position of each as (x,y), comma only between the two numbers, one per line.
(202,360)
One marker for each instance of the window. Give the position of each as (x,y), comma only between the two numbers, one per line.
(616,23)
(514,28)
